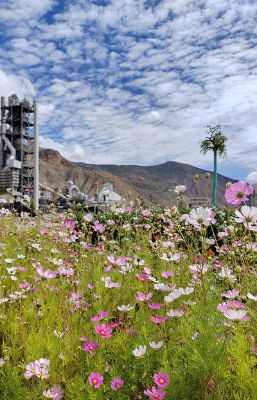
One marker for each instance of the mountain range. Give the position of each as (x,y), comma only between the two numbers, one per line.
(152,184)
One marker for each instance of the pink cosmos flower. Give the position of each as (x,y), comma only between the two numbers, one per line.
(161,379)
(104,331)
(144,297)
(48,273)
(142,277)
(231,294)
(146,213)
(95,379)
(159,320)
(154,306)
(99,227)
(101,315)
(90,347)
(70,224)
(155,394)
(117,383)
(167,274)
(118,261)
(54,393)
(237,193)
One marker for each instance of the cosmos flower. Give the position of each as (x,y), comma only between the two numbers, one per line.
(235,314)
(155,345)
(251,297)
(54,392)
(124,307)
(101,315)
(161,379)
(95,379)
(117,384)
(237,193)
(104,331)
(143,297)
(247,216)
(159,320)
(200,217)
(48,273)
(139,351)
(176,313)
(90,347)
(155,394)
(146,213)
(99,227)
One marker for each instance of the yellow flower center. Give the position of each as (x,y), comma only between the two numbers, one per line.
(94,381)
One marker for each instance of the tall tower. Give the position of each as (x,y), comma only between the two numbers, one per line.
(19,148)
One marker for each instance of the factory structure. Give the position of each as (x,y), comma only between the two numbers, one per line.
(19,157)
(19,163)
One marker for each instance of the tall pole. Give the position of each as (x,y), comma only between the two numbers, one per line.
(36,158)
(214,190)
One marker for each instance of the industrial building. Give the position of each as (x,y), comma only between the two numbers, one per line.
(19,168)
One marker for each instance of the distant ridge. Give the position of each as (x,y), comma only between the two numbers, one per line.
(150,183)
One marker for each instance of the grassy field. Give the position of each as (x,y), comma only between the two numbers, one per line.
(140,304)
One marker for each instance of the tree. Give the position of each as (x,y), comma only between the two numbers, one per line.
(216,142)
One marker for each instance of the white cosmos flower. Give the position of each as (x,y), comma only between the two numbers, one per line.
(200,216)
(235,314)
(251,297)
(155,345)
(188,290)
(174,295)
(125,307)
(227,273)
(139,351)
(175,313)
(247,215)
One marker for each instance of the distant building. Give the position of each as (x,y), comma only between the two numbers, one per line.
(107,196)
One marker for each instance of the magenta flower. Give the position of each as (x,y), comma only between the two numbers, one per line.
(100,315)
(104,331)
(155,394)
(95,379)
(90,347)
(142,277)
(117,383)
(161,379)
(237,193)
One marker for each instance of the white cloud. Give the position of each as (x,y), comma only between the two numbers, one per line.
(15,84)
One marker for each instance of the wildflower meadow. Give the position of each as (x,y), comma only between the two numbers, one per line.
(137,303)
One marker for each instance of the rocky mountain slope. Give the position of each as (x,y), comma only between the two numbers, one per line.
(150,183)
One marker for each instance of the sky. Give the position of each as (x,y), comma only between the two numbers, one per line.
(136,81)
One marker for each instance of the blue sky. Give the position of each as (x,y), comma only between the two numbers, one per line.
(136,81)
